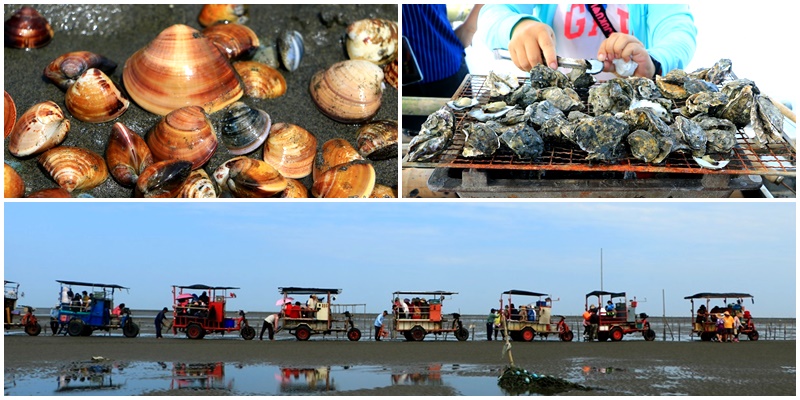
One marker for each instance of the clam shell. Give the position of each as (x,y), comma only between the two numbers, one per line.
(234,40)
(163,179)
(260,80)
(383,192)
(294,190)
(27,29)
(198,186)
(390,73)
(52,193)
(179,68)
(290,149)
(183,134)
(243,129)
(334,152)
(374,40)
(74,168)
(95,98)
(377,140)
(246,177)
(348,91)
(291,49)
(13,186)
(9,114)
(40,128)
(355,179)
(127,155)
(66,69)
(213,13)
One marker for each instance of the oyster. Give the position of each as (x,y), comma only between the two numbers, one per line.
(704,103)
(719,71)
(602,137)
(721,133)
(645,146)
(658,108)
(543,76)
(543,112)
(611,97)
(434,136)
(483,116)
(644,88)
(500,84)
(645,119)
(671,84)
(523,96)
(481,141)
(462,103)
(766,121)
(557,129)
(494,107)
(741,96)
(523,141)
(565,100)
(516,115)
(691,134)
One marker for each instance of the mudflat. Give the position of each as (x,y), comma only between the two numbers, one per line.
(627,367)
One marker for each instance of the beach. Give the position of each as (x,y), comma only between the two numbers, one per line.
(639,368)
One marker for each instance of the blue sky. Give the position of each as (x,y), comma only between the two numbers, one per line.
(373,249)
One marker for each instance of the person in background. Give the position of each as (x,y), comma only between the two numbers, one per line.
(737,327)
(531,312)
(702,314)
(610,310)
(85,298)
(271,325)
(203,299)
(587,326)
(728,324)
(117,311)
(379,325)
(161,319)
(594,321)
(658,37)
(498,327)
(490,323)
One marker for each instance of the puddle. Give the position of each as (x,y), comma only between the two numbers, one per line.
(125,379)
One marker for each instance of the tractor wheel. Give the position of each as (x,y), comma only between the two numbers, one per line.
(649,335)
(248,333)
(616,334)
(462,334)
(706,336)
(33,329)
(354,334)
(418,333)
(130,330)
(75,327)
(194,331)
(527,334)
(407,335)
(753,335)
(567,336)
(302,333)
(602,336)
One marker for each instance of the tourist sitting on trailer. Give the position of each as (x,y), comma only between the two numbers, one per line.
(77,302)
(702,314)
(513,313)
(610,310)
(293,311)
(531,313)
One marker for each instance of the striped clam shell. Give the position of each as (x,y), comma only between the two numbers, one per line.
(9,114)
(14,186)
(95,98)
(234,40)
(66,69)
(349,91)
(41,127)
(291,150)
(260,80)
(243,129)
(163,179)
(27,29)
(246,177)
(377,140)
(373,39)
(74,168)
(183,134)
(198,186)
(127,155)
(291,49)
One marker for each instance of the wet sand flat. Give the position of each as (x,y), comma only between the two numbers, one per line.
(639,368)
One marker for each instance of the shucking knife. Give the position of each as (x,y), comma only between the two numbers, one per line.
(592,67)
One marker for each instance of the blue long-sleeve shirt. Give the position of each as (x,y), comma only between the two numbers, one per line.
(667,31)
(437,48)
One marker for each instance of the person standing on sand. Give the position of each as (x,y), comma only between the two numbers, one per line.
(728,324)
(270,324)
(490,323)
(161,318)
(587,326)
(594,320)
(379,325)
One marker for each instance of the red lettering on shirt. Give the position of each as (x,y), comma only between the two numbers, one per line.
(580,23)
(623,20)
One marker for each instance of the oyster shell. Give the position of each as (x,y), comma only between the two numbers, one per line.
(565,99)
(481,141)
(522,140)
(671,84)
(741,97)
(500,84)
(434,136)
(644,146)
(543,76)
(611,97)
(602,137)
(719,72)
(544,111)
(704,103)
(462,103)
(523,96)
(691,134)
(721,133)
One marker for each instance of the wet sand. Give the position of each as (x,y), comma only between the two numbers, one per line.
(640,368)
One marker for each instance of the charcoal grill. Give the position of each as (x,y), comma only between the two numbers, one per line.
(563,171)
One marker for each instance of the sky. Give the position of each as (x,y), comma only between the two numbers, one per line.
(370,250)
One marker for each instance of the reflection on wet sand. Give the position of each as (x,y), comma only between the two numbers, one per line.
(90,375)
(200,376)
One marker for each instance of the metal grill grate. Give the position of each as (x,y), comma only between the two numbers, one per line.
(775,159)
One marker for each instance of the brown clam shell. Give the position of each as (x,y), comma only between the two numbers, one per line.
(373,40)
(51,193)
(294,190)
(74,168)
(383,192)
(213,13)
(13,186)
(390,73)
(377,140)
(291,150)
(41,127)
(334,152)
(179,68)
(260,80)
(27,29)
(183,134)
(127,155)
(198,186)
(95,98)
(246,177)
(9,114)
(234,40)
(66,69)
(163,179)
(355,179)
(348,91)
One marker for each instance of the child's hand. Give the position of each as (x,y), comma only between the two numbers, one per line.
(626,47)
(530,40)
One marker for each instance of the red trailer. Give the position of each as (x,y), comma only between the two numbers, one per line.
(203,313)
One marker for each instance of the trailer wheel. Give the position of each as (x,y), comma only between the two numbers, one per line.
(649,335)
(248,333)
(462,334)
(75,327)
(407,335)
(527,334)
(706,336)
(616,334)
(602,336)
(418,333)
(302,333)
(130,330)
(194,331)
(753,335)
(354,334)
(567,336)
(33,329)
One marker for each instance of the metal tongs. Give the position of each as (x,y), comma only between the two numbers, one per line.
(592,67)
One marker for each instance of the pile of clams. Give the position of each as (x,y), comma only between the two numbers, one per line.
(205,90)
(696,113)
